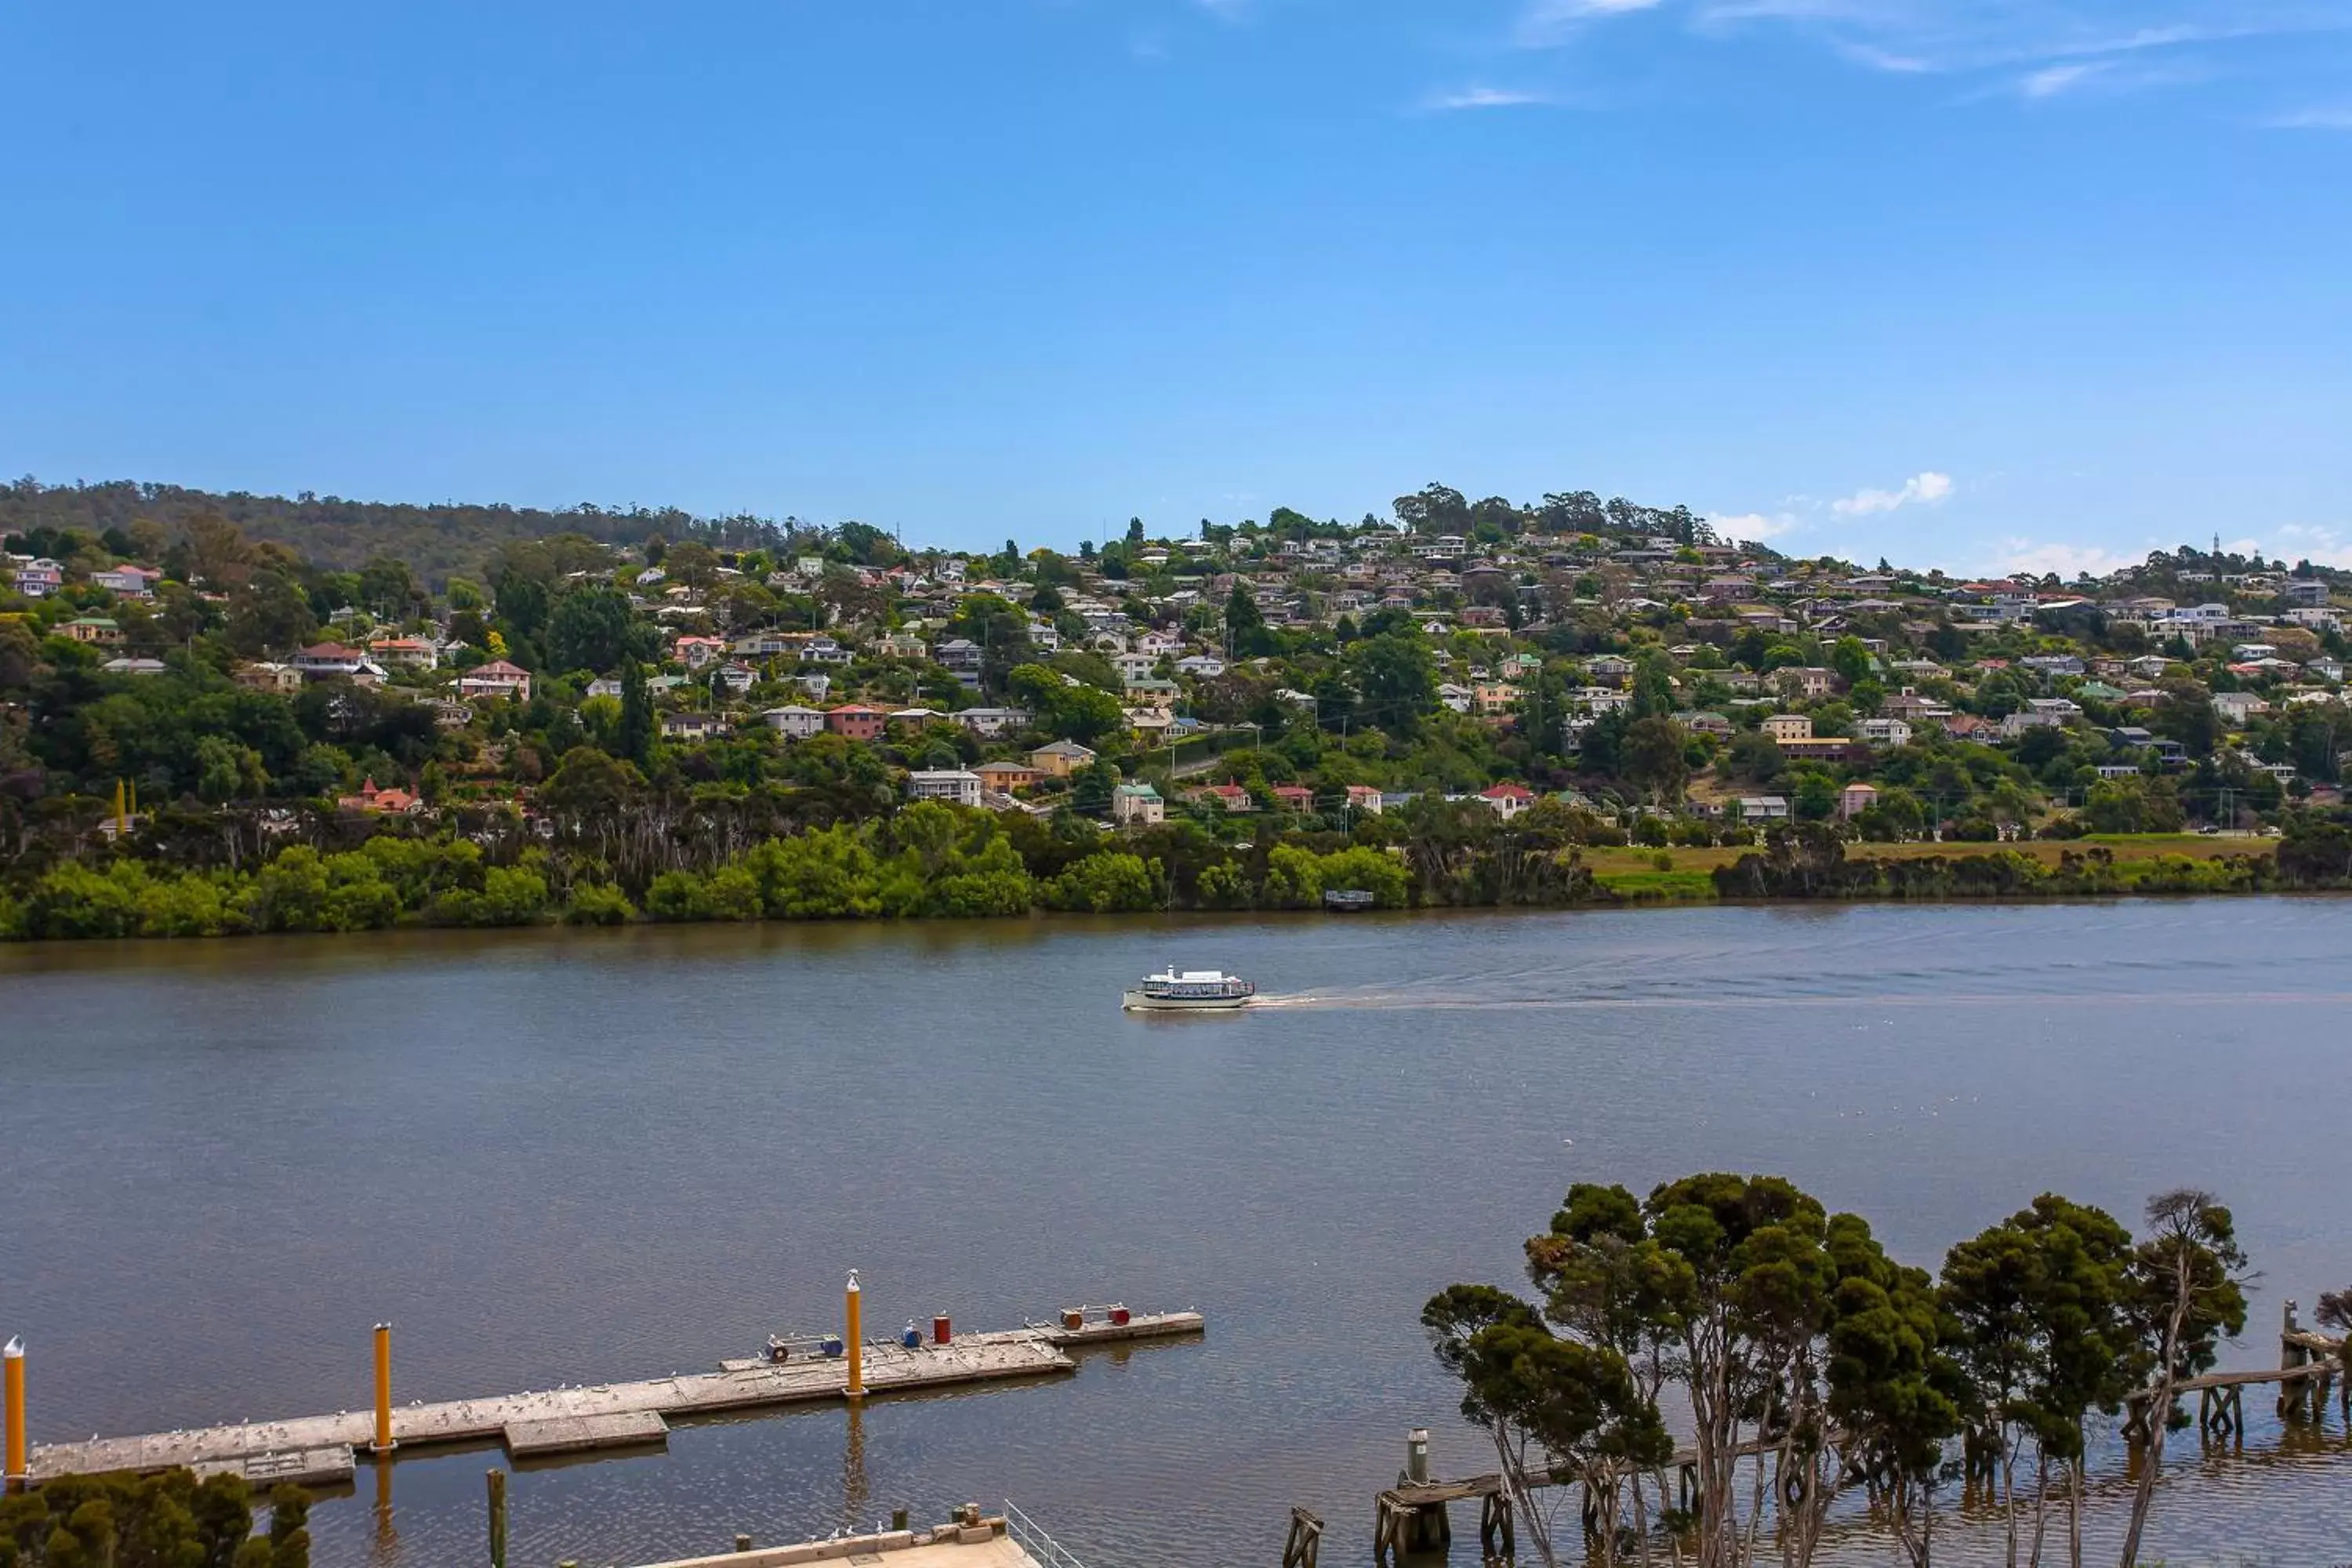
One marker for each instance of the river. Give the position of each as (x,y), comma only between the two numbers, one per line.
(580,1156)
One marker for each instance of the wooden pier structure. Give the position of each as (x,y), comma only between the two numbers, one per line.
(2309,1365)
(970,1541)
(315,1450)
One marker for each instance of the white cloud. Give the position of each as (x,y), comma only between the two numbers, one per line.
(2311,542)
(1543,23)
(1887,61)
(1481,97)
(2068,561)
(2336,118)
(2051,81)
(2006,37)
(1923,489)
(1753,527)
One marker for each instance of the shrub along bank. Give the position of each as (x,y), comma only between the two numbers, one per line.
(935,861)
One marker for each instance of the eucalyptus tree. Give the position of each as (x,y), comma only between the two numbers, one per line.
(1558,1409)
(1808,1357)
(2188,1293)
(2036,1305)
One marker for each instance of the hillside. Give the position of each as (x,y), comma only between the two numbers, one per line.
(437,542)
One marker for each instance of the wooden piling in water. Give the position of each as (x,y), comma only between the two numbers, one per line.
(498,1481)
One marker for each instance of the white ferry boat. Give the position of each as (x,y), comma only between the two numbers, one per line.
(1189,991)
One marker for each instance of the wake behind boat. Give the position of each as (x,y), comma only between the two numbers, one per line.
(1189,991)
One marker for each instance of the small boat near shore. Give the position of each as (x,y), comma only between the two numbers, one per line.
(1189,991)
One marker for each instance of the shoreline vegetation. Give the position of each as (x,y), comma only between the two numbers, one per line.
(238,714)
(931,861)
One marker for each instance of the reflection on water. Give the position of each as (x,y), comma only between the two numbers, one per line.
(562,1157)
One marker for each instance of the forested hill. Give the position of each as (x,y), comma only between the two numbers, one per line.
(434,541)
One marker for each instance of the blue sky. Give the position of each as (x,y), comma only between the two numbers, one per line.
(1970,282)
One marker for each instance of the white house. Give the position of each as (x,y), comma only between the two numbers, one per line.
(990,723)
(1136,804)
(794,723)
(958,786)
(1884,731)
(2237,707)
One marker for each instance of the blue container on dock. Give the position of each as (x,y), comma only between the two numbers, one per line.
(832,1345)
(912,1338)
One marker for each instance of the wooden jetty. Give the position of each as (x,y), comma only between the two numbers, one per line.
(2309,1365)
(968,1541)
(323,1449)
(987,1546)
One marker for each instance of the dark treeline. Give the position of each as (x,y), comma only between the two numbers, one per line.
(167,1521)
(613,849)
(437,542)
(1808,860)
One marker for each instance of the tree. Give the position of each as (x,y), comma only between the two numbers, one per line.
(1652,757)
(689,562)
(1108,882)
(1246,636)
(167,1521)
(219,556)
(1756,757)
(1083,713)
(635,739)
(1397,677)
(1850,659)
(595,628)
(2187,1295)
(1653,687)
(1091,787)
(390,592)
(1554,1408)
(1786,1328)
(2035,1304)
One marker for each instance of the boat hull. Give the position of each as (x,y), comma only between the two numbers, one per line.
(1138,1002)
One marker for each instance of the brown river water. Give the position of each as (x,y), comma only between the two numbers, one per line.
(579,1157)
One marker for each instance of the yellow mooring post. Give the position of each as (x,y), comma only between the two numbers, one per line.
(121,824)
(855,1341)
(384,1444)
(13,1358)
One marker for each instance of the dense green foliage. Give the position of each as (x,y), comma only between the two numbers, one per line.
(168,1521)
(435,541)
(1787,1330)
(1810,862)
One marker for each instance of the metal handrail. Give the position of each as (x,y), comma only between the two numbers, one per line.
(1049,1552)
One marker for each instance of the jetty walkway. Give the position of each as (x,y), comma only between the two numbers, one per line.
(322,1449)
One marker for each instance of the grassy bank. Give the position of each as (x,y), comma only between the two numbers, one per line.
(2141,862)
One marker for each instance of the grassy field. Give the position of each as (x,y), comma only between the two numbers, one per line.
(1682,873)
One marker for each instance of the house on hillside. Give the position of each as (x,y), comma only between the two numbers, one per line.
(692,726)
(957,786)
(856,721)
(1230,797)
(393,802)
(497,678)
(1137,805)
(1508,800)
(794,723)
(1006,777)
(1060,759)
